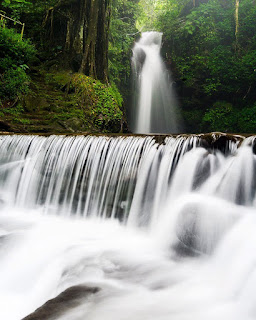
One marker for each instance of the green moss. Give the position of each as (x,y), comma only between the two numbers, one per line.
(14,111)
(61,102)
(16,114)
(102,103)
(58,79)
(23,121)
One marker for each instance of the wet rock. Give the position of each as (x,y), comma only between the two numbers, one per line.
(73,125)
(252,143)
(69,299)
(33,103)
(199,229)
(140,56)
(160,139)
(219,141)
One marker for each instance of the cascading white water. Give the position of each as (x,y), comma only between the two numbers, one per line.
(163,230)
(155,108)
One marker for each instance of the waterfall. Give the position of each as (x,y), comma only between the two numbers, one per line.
(82,176)
(155,109)
(155,227)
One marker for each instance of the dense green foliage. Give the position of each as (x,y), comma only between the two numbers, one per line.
(19,8)
(14,57)
(221,117)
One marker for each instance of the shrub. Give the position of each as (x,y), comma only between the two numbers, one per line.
(247,120)
(15,54)
(222,117)
(14,82)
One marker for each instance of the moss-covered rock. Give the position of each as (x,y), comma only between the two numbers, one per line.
(102,103)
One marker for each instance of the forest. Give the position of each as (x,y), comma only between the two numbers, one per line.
(65,64)
(128,159)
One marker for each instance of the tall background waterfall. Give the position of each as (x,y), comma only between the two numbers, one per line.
(155,106)
(155,228)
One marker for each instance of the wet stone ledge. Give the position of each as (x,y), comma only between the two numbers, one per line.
(212,141)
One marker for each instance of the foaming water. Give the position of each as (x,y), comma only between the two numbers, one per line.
(163,230)
(156,105)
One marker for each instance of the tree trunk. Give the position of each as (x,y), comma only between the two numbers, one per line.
(237,21)
(81,27)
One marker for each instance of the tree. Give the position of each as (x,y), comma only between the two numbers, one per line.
(81,28)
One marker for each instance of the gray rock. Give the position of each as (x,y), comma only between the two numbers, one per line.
(67,300)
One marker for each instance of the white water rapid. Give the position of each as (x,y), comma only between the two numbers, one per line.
(155,106)
(138,228)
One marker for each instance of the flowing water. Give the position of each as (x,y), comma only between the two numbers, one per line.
(155,106)
(163,230)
